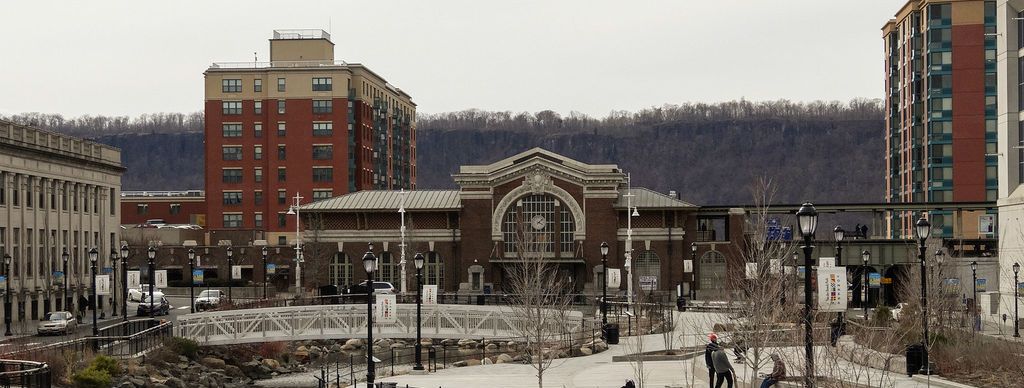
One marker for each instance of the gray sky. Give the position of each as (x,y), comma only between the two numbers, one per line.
(592,56)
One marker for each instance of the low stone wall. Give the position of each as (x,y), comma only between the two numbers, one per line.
(858,354)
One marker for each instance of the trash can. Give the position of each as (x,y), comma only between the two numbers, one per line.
(915,356)
(681,303)
(611,333)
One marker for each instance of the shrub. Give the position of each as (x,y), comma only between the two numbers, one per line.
(91,377)
(106,364)
(182,346)
(883,315)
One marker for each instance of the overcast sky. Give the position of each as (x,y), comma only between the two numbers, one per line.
(132,57)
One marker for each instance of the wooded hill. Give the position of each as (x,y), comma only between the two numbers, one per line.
(710,153)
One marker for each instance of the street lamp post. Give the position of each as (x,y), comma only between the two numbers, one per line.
(93,256)
(1016,319)
(64,256)
(294,210)
(124,282)
(151,254)
(604,290)
(7,295)
(264,253)
(693,275)
(838,233)
(191,280)
(418,261)
(370,265)
(231,273)
(113,282)
(865,257)
(974,296)
(808,219)
(923,228)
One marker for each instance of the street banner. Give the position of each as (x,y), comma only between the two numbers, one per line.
(1020,288)
(271,268)
(197,276)
(982,284)
(134,279)
(648,282)
(161,278)
(236,272)
(832,289)
(3,283)
(58,278)
(107,270)
(751,270)
(614,278)
(429,294)
(801,271)
(874,280)
(102,284)
(688,266)
(775,266)
(951,286)
(826,262)
(386,309)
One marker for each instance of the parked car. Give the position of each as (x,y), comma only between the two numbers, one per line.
(378,288)
(136,294)
(209,299)
(57,322)
(161,307)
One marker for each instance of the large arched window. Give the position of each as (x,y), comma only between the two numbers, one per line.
(341,270)
(712,271)
(647,263)
(433,269)
(536,223)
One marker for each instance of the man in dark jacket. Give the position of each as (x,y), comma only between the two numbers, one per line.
(778,372)
(711,348)
(723,368)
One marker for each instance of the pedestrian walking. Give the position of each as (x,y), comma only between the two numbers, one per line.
(723,369)
(708,351)
(778,372)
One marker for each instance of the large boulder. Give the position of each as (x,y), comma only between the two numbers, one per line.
(449,342)
(315,352)
(467,343)
(335,348)
(511,346)
(459,364)
(486,361)
(383,342)
(426,342)
(356,343)
(301,354)
(349,347)
(585,351)
(271,363)
(212,362)
(503,358)
(491,347)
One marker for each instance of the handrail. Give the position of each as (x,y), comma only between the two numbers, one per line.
(27,374)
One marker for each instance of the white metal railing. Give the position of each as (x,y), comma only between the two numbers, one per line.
(263,65)
(349,321)
(177,193)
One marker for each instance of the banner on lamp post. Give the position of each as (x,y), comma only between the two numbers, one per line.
(874,280)
(236,272)
(429,294)
(102,284)
(134,278)
(386,309)
(161,278)
(688,266)
(197,276)
(271,268)
(58,278)
(832,292)
(614,278)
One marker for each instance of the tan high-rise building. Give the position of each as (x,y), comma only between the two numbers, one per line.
(302,123)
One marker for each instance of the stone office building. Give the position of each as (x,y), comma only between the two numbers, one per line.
(57,193)
(566,208)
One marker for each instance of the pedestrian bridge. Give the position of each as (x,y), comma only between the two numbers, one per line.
(349,321)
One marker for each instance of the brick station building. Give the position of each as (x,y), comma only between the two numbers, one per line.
(568,208)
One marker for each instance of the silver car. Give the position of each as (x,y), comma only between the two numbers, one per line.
(57,322)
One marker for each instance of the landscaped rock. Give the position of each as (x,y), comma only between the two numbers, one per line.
(336,348)
(315,352)
(449,342)
(174,382)
(486,361)
(491,347)
(271,363)
(585,351)
(426,342)
(355,343)
(349,348)
(472,362)
(397,346)
(301,354)
(511,346)
(503,358)
(383,342)
(467,343)
(212,362)
(459,364)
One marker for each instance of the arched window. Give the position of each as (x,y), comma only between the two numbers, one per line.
(712,271)
(341,270)
(433,269)
(647,263)
(536,223)
(386,269)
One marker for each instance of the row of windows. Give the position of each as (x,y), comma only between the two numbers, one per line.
(47,247)
(234,175)
(143,208)
(236,197)
(340,270)
(236,130)
(73,195)
(320,84)
(234,152)
(235,107)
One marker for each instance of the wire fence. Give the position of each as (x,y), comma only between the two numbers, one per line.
(142,335)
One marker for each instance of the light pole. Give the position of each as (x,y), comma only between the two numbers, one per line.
(152,274)
(64,256)
(264,253)
(113,282)
(192,280)
(231,273)
(838,233)
(93,256)
(124,282)
(604,289)
(7,295)
(294,210)
(1016,319)
(866,257)
(418,261)
(370,265)
(923,228)
(693,275)
(808,219)
(974,296)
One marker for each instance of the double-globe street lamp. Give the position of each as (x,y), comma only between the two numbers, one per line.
(974,296)
(693,277)
(230,273)
(124,283)
(192,279)
(7,295)
(264,253)
(604,290)
(93,256)
(418,261)
(865,287)
(151,255)
(807,217)
(65,256)
(370,265)
(923,229)
(113,282)
(838,233)
(1016,302)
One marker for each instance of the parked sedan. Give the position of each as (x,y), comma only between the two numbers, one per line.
(209,299)
(162,307)
(378,288)
(57,322)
